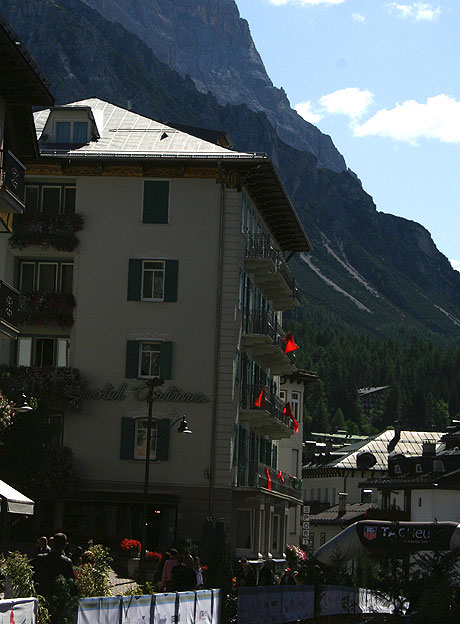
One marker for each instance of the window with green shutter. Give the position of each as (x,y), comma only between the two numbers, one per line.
(155,208)
(152,280)
(133,438)
(147,359)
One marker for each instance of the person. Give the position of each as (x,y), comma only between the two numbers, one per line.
(245,576)
(198,573)
(41,546)
(48,566)
(266,576)
(170,563)
(183,577)
(77,556)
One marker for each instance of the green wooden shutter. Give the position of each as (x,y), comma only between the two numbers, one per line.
(171,275)
(163,428)
(132,359)
(134,280)
(166,360)
(156,202)
(127,438)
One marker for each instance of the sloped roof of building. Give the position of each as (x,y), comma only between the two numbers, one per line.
(123,132)
(409,444)
(122,135)
(353,511)
(366,391)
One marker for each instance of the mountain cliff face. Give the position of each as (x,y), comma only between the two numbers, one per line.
(380,273)
(207,40)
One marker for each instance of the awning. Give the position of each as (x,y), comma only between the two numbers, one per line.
(15,501)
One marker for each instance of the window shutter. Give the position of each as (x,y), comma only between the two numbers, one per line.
(163,439)
(134,279)
(132,359)
(171,275)
(156,202)
(166,360)
(127,438)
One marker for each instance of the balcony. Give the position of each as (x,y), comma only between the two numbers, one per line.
(265,338)
(54,386)
(271,273)
(9,311)
(254,475)
(46,230)
(269,419)
(46,309)
(12,173)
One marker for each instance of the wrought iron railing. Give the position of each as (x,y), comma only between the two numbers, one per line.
(269,402)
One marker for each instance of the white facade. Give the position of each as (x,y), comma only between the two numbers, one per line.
(179,273)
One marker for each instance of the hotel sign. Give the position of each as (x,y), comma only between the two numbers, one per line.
(172,394)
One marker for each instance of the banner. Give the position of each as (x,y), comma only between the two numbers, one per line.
(164,609)
(216,605)
(19,611)
(186,607)
(203,611)
(99,610)
(336,600)
(136,609)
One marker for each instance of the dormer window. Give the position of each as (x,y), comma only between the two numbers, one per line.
(418,468)
(71,131)
(397,469)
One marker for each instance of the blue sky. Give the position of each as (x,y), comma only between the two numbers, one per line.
(382,78)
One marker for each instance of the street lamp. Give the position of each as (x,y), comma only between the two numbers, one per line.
(152,384)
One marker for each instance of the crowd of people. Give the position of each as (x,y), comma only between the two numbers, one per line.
(179,572)
(246,576)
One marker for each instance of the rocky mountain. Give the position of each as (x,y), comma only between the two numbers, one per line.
(208,41)
(379,273)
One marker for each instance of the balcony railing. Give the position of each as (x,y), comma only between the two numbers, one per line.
(56,386)
(9,310)
(46,309)
(265,337)
(270,418)
(12,173)
(45,230)
(254,475)
(271,272)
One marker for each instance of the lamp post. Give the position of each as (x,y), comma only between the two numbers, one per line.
(152,384)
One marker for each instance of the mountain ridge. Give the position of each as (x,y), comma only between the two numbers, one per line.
(359,250)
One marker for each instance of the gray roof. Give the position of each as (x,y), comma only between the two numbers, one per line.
(364,391)
(124,133)
(410,444)
(331,516)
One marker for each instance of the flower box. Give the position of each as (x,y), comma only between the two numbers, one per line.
(46,309)
(45,230)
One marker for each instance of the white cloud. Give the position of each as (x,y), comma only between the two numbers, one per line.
(438,118)
(420,11)
(357,17)
(351,101)
(306,110)
(305,2)
(455,264)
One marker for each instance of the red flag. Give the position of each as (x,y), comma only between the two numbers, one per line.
(290,344)
(269,479)
(260,402)
(288,412)
(280,476)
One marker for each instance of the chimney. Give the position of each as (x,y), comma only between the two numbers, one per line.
(342,503)
(428,448)
(397,436)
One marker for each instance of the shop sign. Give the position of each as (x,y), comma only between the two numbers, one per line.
(418,535)
(305,525)
(172,394)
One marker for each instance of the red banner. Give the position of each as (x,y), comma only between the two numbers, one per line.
(269,479)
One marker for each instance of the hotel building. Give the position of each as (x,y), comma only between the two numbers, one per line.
(148,251)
